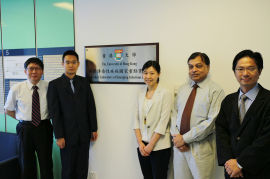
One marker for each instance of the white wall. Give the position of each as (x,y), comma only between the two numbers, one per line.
(220,29)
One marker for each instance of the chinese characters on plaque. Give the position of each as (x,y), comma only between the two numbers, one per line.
(118,63)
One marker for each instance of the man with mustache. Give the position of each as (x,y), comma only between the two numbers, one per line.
(193,122)
(243,123)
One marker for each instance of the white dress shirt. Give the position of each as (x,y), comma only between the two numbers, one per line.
(20,99)
(206,107)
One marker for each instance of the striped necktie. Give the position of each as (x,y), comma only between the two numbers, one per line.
(36,119)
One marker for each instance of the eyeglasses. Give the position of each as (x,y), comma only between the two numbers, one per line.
(32,69)
(73,63)
(249,69)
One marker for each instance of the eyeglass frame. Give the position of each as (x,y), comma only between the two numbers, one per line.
(249,69)
(73,62)
(34,68)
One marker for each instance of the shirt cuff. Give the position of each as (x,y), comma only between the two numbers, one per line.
(187,137)
(239,166)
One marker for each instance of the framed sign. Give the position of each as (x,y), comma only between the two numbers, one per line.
(119,64)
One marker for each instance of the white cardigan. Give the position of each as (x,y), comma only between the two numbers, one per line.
(158,117)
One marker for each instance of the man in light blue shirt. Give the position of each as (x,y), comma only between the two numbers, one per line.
(194,143)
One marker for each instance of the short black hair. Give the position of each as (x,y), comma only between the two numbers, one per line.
(256,56)
(34,60)
(153,64)
(70,52)
(203,56)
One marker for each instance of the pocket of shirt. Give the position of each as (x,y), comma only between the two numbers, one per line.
(201,109)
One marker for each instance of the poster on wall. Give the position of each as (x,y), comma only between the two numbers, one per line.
(119,64)
(14,60)
(14,67)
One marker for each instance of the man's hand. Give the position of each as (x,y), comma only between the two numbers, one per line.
(148,148)
(240,174)
(60,143)
(232,168)
(94,137)
(141,149)
(184,148)
(10,113)
(178,140)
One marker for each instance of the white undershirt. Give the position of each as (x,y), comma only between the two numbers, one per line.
(146,107)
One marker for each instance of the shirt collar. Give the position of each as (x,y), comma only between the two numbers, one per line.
(251,94)
(30,85)
(68,79)
(200,84)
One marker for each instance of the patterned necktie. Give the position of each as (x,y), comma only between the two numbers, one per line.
(185,121)
(72,86)
(36,119)
(242,109)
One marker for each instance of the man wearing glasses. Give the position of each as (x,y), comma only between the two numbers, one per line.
(73,112)
(243,124)
(26,102)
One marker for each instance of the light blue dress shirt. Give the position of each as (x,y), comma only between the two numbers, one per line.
(206,107)
(251,94)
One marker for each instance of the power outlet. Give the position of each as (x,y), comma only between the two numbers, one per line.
(93,175)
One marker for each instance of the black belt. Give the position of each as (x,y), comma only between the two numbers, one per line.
(30,122)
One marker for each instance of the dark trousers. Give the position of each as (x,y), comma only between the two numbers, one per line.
(75,159)
(33,139)
(155,166)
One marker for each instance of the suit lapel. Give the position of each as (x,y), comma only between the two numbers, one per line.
(66,84)
(78,84)
(235,108)
(155,96)
(142,97)
(141,100)
(259,100)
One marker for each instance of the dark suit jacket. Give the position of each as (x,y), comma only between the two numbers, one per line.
(73,115)
(249,142)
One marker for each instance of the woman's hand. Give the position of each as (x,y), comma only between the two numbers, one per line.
(141,148)
(148,149)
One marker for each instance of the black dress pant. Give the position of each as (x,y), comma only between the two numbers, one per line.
(31,139)
(155,166)
(75,159)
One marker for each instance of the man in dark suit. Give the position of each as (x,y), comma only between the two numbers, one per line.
(73,112)
(243,124)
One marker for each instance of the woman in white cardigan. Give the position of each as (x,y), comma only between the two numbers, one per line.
(151,124)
